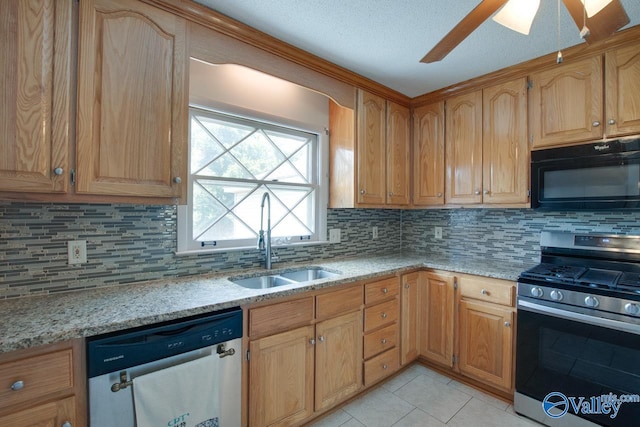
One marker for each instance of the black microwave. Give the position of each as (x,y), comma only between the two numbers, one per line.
(597,176)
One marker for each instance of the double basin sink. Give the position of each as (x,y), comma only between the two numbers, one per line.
(284,278)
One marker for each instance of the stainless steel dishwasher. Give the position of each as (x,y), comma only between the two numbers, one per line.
(116,359)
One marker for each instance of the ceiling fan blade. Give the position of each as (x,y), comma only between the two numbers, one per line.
(602,25)
(465,27)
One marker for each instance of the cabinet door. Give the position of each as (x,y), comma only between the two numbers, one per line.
(281,377)
(132,100)
(398,145)
(622,89)
(566,103)
(428,155)
(49,414)
(486,343)
(35,64)
(463,135)
(505,152)
(436,318)
(409,316)
(371,149)
(338,359)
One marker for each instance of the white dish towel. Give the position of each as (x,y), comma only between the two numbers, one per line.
(184,395)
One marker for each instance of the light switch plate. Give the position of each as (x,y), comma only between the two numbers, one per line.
(334,235)
(438,232)
(77,251)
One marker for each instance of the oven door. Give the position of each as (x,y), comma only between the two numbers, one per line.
(574,363)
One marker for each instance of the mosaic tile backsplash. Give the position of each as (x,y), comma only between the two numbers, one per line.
(132,243)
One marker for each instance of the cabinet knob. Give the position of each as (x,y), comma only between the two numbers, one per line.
(384,315)
(18,385)
(312,341)
(362,191)
(384,366)
(321,338)
(385,290)
(383,340)
(595,124)
(507,324)
(58,171)
(612,121)
(486,191)
(407,286)
(391,193)
(477,192)
(439,194)
(66,424)
(484,292)
(177,180)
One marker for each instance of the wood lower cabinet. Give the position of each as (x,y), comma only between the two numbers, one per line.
(132,100)
(305,356)
(43,386)
(35,95)
(436,317)
(410,310)
(282,378)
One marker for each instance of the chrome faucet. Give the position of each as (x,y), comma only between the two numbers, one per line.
(261,241)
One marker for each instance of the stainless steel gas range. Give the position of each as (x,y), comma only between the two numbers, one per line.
(578,332)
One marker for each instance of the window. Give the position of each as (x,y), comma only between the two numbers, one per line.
(233,162)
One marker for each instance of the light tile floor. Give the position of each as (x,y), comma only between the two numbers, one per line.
(421,397)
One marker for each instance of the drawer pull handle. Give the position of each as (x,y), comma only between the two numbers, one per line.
(312,341)
(383,340)
(507,324)
(18,385)
(384,315)
(384,366)
(484,292)
(66,424)
(321,338)
(385,290)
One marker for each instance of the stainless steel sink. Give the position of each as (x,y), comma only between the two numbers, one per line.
(284,278)
(309,274)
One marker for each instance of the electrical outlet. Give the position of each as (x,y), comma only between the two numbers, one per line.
(77,251)
(374,233)
(334,235)
(438,232)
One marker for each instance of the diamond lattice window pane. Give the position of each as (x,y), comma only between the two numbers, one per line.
(286,173)
(289,144)
(227,133)
(226,166)
(203,148)
(228,228)
(206,209)
(302,160)
(290,226)
(258,155)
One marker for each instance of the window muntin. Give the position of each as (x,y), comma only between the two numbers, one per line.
(233,161)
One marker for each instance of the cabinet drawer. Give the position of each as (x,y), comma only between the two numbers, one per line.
(380,366)
(381,340)
(381,290)
(280,317)
(381,314)
(40,376)
(486,289)
(337,302)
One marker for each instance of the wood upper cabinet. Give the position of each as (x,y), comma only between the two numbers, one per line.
(398,149)
(409,314)
(383,138)
(35,64)
(282,378)
(436,326)
(463,135)
(132,100)
(622,91)
(566,103)
(428,155)
(505,151)
(371,124)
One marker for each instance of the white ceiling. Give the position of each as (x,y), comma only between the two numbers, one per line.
(384,40)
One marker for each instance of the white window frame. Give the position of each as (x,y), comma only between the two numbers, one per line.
(185,242)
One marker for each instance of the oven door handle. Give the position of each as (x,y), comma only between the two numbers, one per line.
(580,317)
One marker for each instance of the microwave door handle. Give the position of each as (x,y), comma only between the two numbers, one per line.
(579,317)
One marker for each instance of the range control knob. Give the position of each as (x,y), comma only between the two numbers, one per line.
(632,309)
(591,301)
(536,292)
(556,295)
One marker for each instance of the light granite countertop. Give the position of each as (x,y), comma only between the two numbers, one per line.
(32,321)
